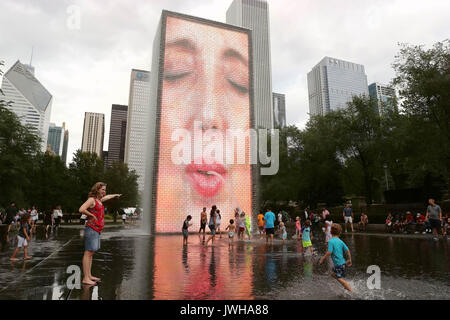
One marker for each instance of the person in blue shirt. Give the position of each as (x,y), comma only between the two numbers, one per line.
(269,219)
(336,249)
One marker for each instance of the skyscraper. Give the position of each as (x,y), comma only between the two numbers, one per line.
(279,110)
(254,15)
(117,134)
(56,138)
(65,144)
(93,133)
(32,102)
(138,110)
(385,96)
(332,83)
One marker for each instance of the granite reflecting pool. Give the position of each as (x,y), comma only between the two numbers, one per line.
(136,266)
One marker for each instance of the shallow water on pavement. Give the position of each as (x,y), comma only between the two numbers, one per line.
(136,266)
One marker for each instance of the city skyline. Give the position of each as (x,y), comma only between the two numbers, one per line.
(87,69)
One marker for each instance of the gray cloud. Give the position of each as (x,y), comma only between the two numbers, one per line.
(88,69)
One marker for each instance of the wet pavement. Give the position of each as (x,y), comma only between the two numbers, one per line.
(137,266)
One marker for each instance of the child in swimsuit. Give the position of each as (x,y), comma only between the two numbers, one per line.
(231,229)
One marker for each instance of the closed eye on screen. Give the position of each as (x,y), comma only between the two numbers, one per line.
(171,77)
(241,89)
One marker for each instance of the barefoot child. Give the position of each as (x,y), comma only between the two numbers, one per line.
(307,237)
(336,248)
(231,229)
(283,231)
(23,238)
(186,225)
(328,224)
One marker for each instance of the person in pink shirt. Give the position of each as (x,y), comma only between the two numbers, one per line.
(298,228)
(325,213)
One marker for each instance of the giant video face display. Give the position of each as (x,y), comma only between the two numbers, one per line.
(205,91)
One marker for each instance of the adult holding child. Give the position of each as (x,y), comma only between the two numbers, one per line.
(94,209)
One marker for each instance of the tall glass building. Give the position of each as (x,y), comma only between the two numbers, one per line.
(332,83)
(56,138)
(279,110)
(138,110)
(254,15)
(31,101)
(93,133)
(385,95)
(117,134)
(65,145)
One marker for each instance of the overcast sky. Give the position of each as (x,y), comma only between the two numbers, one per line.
(88,68)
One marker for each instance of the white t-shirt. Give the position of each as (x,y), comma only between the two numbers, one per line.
(280,217)
(124,216)
(218,218)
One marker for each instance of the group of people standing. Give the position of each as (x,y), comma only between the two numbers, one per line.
(241,225)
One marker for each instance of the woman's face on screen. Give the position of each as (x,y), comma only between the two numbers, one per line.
(205,90)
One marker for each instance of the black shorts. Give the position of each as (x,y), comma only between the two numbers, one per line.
(270,230)
(202,225)
(435,224)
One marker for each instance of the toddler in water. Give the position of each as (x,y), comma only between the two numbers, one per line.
(241,226)
(186,225)
(337,248)
(307,237)
(328,224)
(283,231)
(231,229)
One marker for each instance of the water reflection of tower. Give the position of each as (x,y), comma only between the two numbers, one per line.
(212,269)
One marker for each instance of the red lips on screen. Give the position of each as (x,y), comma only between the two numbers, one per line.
(206,179)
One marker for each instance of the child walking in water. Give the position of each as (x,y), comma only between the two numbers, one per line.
(307,237)
(336,248)
(23,238)
(298,228)
(186,225)
(328,224)
(283,231)
(231,229)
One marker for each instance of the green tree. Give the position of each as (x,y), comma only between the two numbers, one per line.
(51,183)
(121,180)
(423,80)
(18,146)
(86,169)
(359,132)
(321,169)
